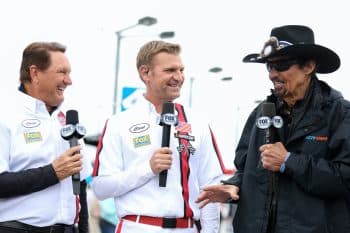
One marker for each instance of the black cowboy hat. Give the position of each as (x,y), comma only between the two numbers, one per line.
(296,41)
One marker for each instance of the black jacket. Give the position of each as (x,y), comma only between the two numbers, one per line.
(312,195)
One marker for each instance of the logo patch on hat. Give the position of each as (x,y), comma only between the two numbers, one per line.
(31,137)
(142,141)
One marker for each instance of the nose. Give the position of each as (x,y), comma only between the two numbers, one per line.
(273,74)
(272,70)
(67,80)
(178,75)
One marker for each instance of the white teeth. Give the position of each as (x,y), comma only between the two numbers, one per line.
(278,85)
(278,82)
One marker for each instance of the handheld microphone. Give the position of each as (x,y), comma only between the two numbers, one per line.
(269,110)
(73,131)
(167,119)
(265,122)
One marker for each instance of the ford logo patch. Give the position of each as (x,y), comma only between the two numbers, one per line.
(31,123)
(138,128)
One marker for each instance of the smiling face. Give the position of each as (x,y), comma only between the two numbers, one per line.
(290,83)
(49,85)
(163,78)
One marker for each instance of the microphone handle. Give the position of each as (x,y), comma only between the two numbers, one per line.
(73,142)
(75,177)
(165,143)
(162,178)
(268,136)
(267,141)
(268,109)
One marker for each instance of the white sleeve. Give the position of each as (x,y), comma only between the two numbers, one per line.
(210,169)
(112,179)
(211,173)
(210,218)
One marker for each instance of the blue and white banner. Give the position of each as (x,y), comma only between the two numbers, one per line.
(130,96)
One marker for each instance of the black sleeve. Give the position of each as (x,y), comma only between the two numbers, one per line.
(83,214)
(28,181)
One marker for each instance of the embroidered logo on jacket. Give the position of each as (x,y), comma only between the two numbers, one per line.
(189,147)
(184,136)
(183,127)
(30,123)
(31,137)
(142,141)
(316,138)
(61,118)
(138,128)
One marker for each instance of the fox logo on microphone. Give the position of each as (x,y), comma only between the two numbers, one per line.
(168,119)
(265,122)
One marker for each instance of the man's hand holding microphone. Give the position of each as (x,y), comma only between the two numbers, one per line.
(68,163)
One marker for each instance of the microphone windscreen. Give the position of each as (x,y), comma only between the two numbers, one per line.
(268,109)
(72,117)
(168,107)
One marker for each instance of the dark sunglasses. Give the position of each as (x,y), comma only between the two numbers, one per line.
(281,65)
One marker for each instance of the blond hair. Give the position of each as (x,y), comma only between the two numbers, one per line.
(152,48)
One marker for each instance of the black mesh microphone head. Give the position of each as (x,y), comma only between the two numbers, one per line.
(72,117)
(268,109)
(168,107)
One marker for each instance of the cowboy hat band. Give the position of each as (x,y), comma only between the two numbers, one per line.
(296,41)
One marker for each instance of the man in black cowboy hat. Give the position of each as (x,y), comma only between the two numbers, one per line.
(299,181)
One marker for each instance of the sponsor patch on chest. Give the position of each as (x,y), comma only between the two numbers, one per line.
(143,140)
(319,138)
(31,137)
(30,123)
(138,128)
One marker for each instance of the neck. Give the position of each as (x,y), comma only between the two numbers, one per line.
(157,102)
(26,88)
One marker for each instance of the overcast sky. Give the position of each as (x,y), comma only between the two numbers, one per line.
(212,33)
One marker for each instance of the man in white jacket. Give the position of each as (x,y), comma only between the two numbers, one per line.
(130,157)
(36,163)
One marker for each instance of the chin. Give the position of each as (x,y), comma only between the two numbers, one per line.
(175,97)
(58,103)
(279,92)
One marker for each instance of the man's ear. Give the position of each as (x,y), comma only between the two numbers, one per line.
(310,66)
(33,71)
(143,71)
